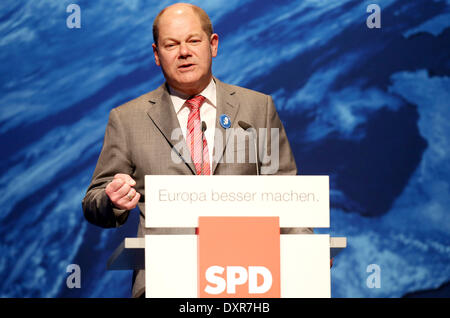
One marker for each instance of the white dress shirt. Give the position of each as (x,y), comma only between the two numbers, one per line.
(207,113)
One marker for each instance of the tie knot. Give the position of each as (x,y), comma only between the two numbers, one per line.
(195,102)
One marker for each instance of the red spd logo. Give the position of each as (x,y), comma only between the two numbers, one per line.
(239,257)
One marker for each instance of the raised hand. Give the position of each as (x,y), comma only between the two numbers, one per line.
(121,192)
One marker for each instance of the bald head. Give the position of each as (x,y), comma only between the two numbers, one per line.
(180,9)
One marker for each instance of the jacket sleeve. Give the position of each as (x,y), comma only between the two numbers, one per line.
(113,159)
(281,153)
(277,157)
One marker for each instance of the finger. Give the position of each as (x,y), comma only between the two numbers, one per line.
(126,178)
(123,191)
(131,194)
(126,204)
(120,193)
(134,202)
(114,185)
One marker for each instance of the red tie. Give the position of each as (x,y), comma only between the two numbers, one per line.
(195,136)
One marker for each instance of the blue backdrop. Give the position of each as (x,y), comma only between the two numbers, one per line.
(369,107)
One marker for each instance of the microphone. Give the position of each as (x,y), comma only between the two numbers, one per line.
(203,136)
(248,127)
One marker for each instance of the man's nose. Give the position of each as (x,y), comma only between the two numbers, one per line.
(184,50)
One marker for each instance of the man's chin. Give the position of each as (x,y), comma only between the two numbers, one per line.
(190,84)
(188,78)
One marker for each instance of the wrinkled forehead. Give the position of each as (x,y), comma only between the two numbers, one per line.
(179,26)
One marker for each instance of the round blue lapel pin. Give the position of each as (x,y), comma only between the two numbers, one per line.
(225,121)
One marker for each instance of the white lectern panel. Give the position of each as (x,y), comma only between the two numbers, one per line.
(305,266)
(178,201)
(171,266)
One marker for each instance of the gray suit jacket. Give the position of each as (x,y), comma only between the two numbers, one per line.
(139,141)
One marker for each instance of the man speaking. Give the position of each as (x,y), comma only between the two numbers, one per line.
(181,127)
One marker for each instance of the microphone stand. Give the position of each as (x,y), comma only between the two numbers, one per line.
(248,127)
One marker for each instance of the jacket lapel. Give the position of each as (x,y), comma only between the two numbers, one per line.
(226,104)
(162,113)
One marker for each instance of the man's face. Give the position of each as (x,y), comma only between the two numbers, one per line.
(185,51)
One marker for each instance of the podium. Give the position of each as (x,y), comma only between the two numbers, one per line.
(284,265)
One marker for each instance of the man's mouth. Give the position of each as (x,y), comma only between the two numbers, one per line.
(186,66)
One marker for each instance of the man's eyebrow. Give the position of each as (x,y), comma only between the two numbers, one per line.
(168,39)
(175,40)
(194,34)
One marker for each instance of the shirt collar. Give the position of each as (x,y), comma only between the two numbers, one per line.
(179,98)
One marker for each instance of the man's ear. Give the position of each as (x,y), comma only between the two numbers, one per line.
(214,43)
(155,53)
